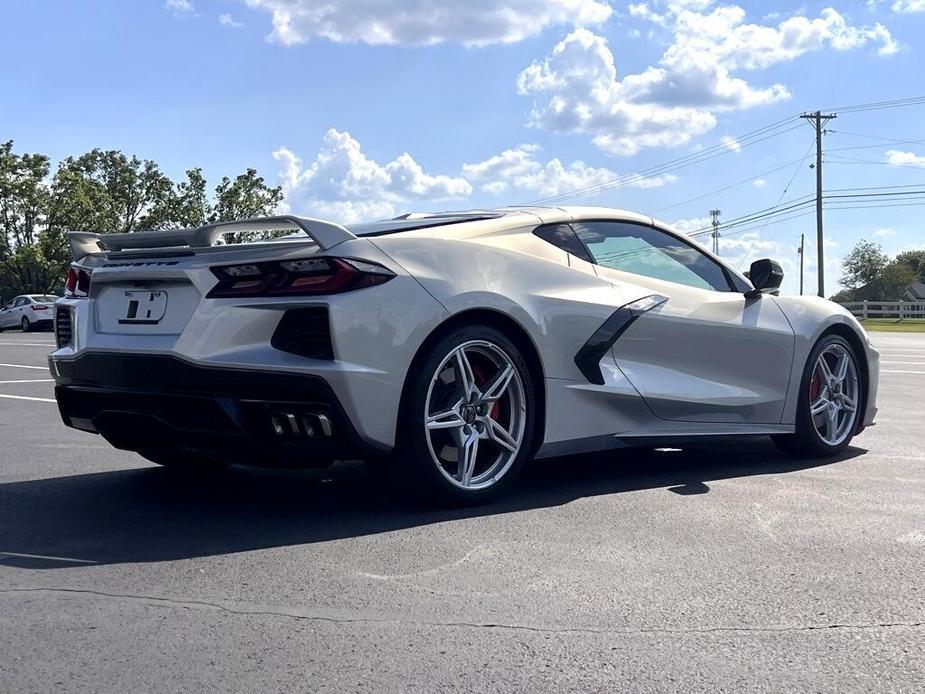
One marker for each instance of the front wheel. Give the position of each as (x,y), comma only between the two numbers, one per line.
(829,404)
(467,426)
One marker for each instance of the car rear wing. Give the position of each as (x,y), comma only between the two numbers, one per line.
(84,243)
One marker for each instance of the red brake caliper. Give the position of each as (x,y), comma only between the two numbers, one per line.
(480,381)
(815,387)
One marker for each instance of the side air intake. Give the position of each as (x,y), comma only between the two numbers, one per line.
(64,330)
(306,332)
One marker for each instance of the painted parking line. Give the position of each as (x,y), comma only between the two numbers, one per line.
(27,344)
(899,371)
(42,556)
(23,366)
(903,363)
(30,380)
(26,397)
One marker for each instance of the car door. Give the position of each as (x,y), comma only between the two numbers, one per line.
(22,304)
(707,353)
(11,317)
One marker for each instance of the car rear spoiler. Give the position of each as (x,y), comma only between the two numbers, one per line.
(84,243)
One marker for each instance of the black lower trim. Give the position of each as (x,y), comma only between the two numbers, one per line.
(147,402)
(588,358)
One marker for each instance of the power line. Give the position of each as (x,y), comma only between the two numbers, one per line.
(911,185)
(781,197)
(797,203)
(754,137)
(855,160)
(759,214)
(730,186)
(872,137)
(746,140)
(880,105)
(880,146)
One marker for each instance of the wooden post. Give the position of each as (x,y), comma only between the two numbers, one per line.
(900,310)
(864,310)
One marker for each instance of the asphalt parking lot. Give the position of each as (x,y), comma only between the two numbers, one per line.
(715,569)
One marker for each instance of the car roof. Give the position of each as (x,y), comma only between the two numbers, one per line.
(503,217)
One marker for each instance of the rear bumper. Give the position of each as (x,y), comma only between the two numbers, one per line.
(161,402)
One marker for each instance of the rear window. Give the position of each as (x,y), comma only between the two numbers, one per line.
(43,297)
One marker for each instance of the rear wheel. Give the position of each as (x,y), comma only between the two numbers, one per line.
(468,423)
(830,398)
(26,325)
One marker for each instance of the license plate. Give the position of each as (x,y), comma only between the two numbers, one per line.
(143,307)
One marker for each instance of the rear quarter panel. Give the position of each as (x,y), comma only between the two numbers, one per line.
(515,274)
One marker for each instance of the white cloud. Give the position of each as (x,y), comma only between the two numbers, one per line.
(896,157)
(576,88)
(908,6)
(424,22)
(731,144)
(229,22)
(686,226)
(750,244)
(179,8)
(344,184)
(885,231)
(759,183)
(520,169)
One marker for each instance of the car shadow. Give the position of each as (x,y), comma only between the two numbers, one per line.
(153,514)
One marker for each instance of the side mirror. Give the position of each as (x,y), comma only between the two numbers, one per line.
(766,276)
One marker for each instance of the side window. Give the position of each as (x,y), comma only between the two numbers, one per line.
(563,236)
(643,250)
(21,301)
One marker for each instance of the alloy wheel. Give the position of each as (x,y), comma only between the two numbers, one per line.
(475,415)
(834,394)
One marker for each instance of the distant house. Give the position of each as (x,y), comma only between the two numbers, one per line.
(915,292)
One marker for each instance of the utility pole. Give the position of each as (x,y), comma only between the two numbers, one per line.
(802,254)
(715,214)
(818,121)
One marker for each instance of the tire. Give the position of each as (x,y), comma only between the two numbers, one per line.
(183,462)
(26,325)
(495,424)
(807,441)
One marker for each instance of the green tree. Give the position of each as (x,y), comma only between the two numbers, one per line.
(863,264)
(915,260)
(246,197)
(107,191)
(23,196)
(892,282)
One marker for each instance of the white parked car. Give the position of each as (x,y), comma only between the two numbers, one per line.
(28,312)
(453,347)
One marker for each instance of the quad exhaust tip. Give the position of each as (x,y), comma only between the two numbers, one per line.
(307,425)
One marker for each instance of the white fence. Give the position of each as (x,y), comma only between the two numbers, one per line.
(886,309)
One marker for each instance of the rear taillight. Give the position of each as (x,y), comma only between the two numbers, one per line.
(304,277)
(77,283)
(39,307)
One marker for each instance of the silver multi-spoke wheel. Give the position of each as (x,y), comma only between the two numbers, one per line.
(834,393)
(475,415)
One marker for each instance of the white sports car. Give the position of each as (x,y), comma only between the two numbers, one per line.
(452,347)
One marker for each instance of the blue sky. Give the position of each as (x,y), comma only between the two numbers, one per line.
(364,108)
